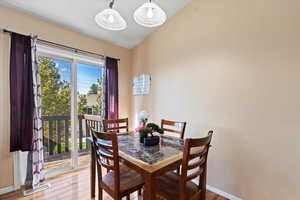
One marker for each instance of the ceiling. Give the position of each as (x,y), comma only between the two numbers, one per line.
(78,15)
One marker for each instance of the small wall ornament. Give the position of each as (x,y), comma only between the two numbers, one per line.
(141,84)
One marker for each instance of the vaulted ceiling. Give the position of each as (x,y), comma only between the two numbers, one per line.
(78,15)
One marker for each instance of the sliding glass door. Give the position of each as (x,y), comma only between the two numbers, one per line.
(89,101)
(70,88)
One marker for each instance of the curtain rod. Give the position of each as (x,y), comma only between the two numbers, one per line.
(61,45)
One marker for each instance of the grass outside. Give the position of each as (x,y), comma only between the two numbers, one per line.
(63,147)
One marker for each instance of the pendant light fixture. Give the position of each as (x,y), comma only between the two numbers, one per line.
(111,19)
(150,15)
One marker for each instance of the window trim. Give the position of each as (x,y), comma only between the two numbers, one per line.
(42,49)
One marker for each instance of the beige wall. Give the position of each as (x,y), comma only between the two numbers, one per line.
(6,159)
(20,22)
(232,66)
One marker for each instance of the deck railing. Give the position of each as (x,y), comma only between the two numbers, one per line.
(57,137)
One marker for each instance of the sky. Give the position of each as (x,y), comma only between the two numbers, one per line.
(86,74)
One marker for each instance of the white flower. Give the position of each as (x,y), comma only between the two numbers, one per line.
(143,115)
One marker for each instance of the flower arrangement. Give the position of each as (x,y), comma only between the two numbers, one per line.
(149,129)
(146,130)
(143,131)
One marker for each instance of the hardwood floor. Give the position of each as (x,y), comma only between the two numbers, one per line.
(73,185)
(83,159)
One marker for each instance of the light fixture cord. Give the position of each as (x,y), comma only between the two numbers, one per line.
(111,3)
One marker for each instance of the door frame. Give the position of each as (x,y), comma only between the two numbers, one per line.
(74,59)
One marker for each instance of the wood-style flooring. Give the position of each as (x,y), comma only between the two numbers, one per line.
(74,185)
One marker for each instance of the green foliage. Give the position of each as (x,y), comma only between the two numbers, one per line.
(144,132)
(63,147)
(55,94)
(155,128)
(98,89)
(94,89)
(150,128)
(82,104)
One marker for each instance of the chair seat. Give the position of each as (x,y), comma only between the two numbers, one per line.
(130,180)
(168,187)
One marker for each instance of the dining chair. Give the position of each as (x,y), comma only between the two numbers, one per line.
(120,181)
(93,121)
(116,125)
(172,186)
(178,128)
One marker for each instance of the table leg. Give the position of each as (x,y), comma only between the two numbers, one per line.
(149,193)
(93,172)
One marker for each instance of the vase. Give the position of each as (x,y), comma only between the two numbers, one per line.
(151,141)
(142,139)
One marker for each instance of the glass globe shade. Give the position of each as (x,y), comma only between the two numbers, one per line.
(110,19)
(150,15)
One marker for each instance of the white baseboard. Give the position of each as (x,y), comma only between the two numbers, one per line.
(39,188)
(218,191)
(7,189)
(222,193)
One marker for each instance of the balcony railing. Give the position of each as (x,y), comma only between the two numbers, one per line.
(57,137)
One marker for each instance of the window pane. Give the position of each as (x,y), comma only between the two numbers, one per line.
(89,101)
(56,108)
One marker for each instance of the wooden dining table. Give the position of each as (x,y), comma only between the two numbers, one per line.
(149,161)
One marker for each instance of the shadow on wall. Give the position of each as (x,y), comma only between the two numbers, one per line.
(227,152)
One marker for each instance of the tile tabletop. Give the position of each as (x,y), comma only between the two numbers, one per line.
(130,145)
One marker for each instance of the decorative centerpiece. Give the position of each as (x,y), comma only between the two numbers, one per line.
(147,131)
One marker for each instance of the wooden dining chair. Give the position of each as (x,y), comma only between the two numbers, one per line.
(93,121)
(172,186)
(116,125)
(177,128)
(120,181)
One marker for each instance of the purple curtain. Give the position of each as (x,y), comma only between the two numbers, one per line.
(111,89)
(21,93)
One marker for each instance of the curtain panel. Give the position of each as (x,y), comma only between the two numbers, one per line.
(21,94)
(37,151)
(111,89)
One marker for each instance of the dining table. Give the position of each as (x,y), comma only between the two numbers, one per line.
(149,161)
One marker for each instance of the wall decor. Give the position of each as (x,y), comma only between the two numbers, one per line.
(141,84)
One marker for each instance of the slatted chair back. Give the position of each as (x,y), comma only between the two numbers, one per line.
(93,122)
(116,125)
(194,165)
(174,127)
(107,156)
